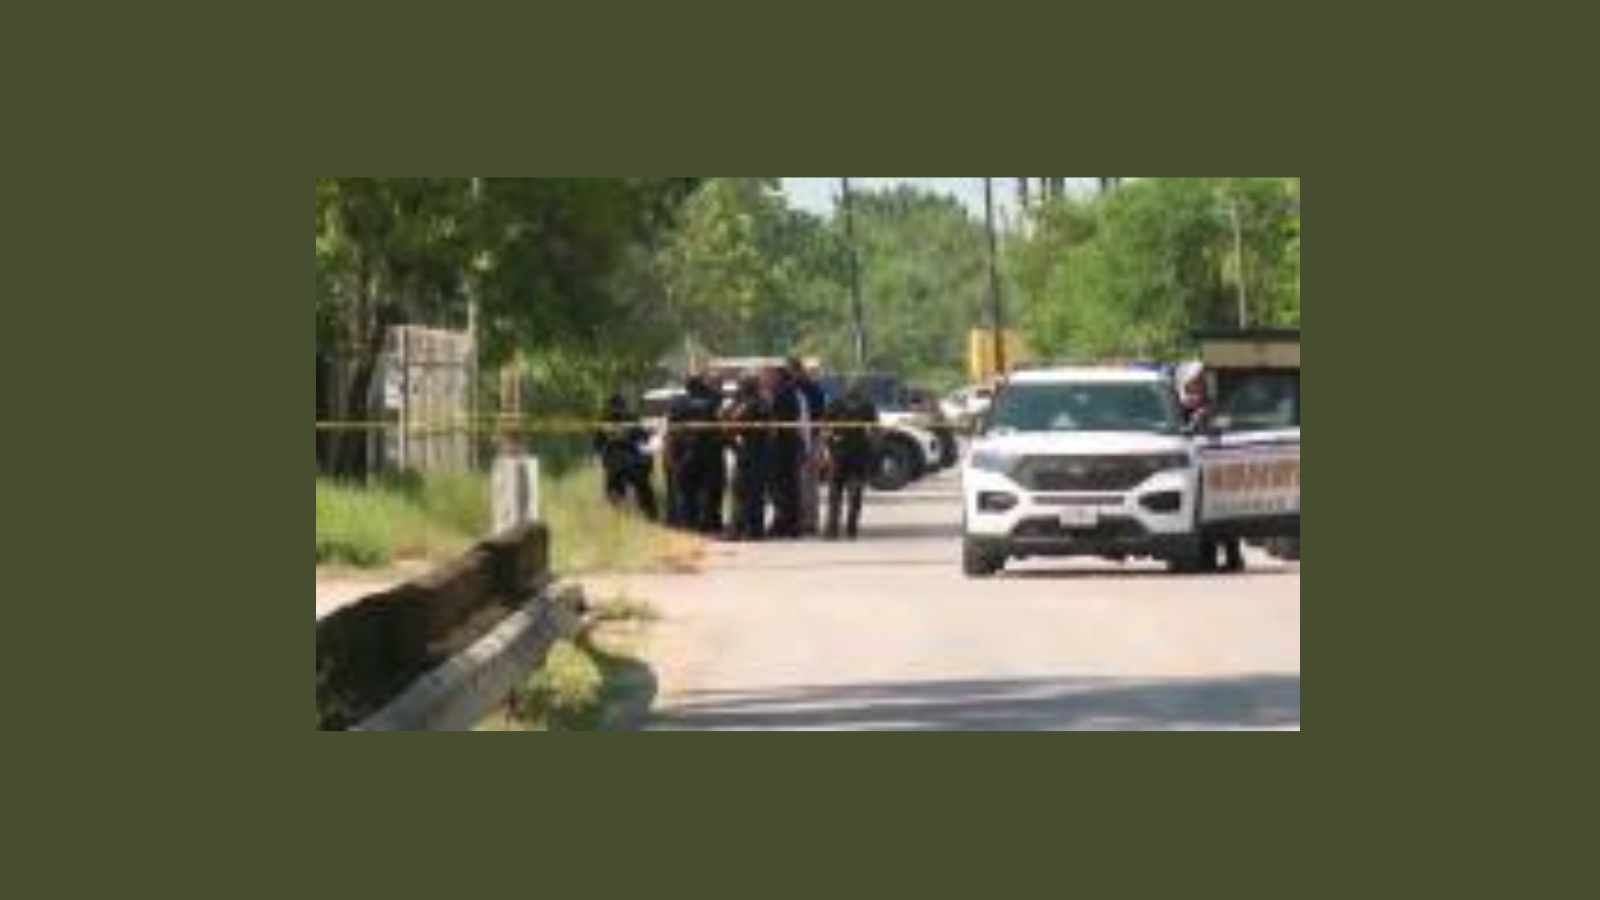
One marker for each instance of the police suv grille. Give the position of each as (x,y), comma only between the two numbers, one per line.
(1109,529)
(1084,473)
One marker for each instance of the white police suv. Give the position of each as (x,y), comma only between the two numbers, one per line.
(1081,462)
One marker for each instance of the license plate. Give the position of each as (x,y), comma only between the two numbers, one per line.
(1080,517)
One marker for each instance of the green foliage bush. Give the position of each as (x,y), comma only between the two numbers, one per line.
(438,516)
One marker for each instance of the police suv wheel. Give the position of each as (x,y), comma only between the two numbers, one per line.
(897,466)
(978,562)
(1197,558)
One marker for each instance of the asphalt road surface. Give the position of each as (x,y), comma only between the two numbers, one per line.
(887,634)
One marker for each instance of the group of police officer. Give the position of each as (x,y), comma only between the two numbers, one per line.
(785,437)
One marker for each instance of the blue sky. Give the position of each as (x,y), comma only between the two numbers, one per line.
(818,194)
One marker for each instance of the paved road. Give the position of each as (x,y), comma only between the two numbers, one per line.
(887,635)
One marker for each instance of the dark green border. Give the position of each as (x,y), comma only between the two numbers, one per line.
(161,296)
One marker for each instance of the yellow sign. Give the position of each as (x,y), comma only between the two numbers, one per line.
(983,354)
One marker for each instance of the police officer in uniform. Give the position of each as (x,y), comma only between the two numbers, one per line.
(711,459)
(788,452)
(675,461)
(748,419)
(620,444)
(851,452)
(814,403)
(695,458)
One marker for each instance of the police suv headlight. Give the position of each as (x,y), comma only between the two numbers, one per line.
(993,461)
(1165,503)
(997,502)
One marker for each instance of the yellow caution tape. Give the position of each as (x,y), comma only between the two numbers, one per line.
(575,426)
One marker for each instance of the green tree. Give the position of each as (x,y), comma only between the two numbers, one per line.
(1289,266)
(545,260)
(749,275)
(924,263)
(1162,258)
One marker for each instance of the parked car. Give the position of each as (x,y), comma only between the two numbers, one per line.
(653,412)
(967,406)
(914,442)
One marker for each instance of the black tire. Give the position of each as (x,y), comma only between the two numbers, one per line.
(1198,557)
(898,466)
(978,562)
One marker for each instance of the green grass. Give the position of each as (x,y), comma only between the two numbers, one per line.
(594,683)
(433,517)
(590,535)
(567,694)
(438,516)
(623,610)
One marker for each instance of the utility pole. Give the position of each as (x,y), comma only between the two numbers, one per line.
(475,362)
(997,312)
(1238,262)
(858,316)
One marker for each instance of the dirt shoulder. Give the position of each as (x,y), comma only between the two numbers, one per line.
(338,588)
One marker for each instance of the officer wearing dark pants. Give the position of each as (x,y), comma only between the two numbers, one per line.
(679,455)
(621,447)
(711,459)
(814,402)
(852,421)
(748,419)
(788,451)
(699,466)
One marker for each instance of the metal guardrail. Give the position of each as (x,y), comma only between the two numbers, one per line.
(373,651)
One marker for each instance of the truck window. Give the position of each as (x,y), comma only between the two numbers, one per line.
(1260,401)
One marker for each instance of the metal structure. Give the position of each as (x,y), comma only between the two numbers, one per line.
(425,386)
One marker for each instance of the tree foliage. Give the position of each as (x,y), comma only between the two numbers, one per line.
(592,281)
(541,259)
(1136,271)
(748,275)
(751,276)
(925,274)
(540,255)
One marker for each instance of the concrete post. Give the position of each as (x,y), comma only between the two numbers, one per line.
(514,491)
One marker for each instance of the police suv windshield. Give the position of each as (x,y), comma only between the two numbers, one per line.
(1085,407)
